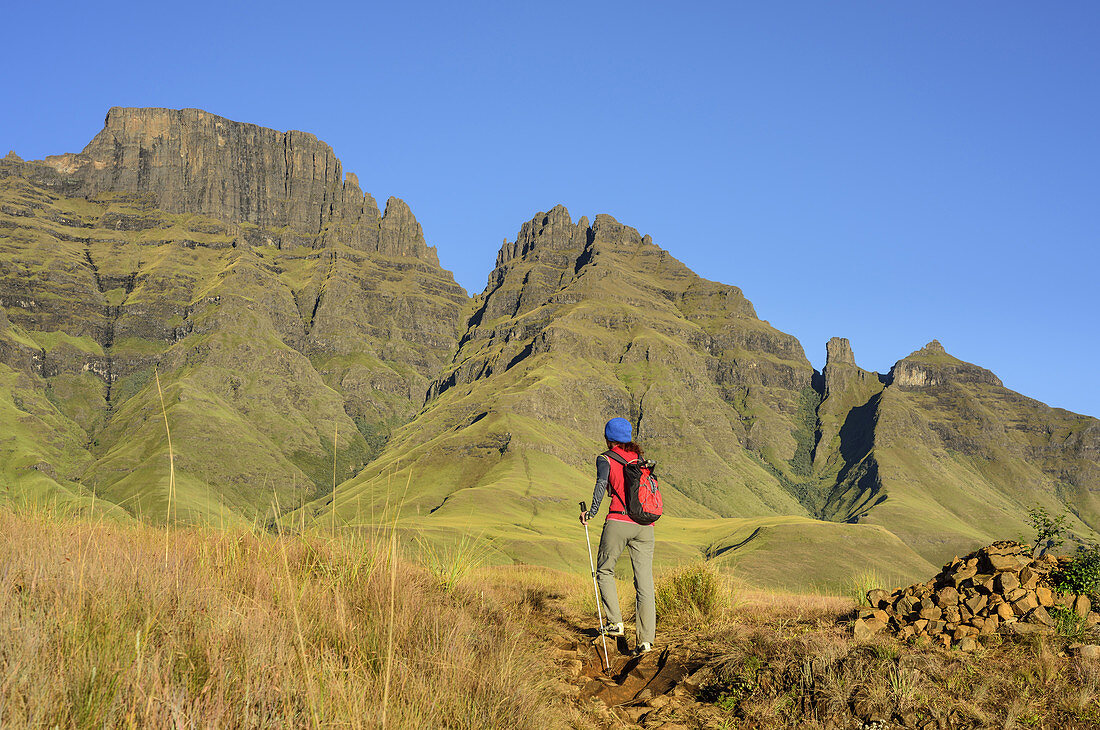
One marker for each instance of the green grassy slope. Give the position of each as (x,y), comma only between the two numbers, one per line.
(950,459)
(962,458)
(98,293)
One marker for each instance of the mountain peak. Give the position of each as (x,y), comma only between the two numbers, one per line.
(551,230)
(190,161)
(401,233)
(932,365)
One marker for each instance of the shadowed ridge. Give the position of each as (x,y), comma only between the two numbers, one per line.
(962,457)
(843,453)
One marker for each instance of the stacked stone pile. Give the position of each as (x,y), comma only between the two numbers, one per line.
(1000,589)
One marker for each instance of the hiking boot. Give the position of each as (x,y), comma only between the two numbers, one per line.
(643,648)
(613,630)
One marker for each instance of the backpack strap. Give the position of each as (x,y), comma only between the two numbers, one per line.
(612,455)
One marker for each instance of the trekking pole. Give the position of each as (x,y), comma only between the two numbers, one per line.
(596,590)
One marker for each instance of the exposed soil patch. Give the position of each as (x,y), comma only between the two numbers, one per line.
(635,688)
(791,662)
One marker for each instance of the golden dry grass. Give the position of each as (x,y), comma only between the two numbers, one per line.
(249,630)
(787,660)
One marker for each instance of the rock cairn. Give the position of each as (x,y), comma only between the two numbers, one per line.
(998,589)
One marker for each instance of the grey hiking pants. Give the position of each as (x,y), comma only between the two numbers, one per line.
(616,536)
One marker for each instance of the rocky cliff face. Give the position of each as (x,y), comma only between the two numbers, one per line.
(844,462)
(190,161)
(932,366)
(277,303)
(581,320)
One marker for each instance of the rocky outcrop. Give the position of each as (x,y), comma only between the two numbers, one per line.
(838,351)
(290,184)
(843,457)
(931,366)
(1000,589)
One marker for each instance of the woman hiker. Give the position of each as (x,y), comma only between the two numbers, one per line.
(619,532)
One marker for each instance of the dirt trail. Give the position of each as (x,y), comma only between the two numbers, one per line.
(654,690)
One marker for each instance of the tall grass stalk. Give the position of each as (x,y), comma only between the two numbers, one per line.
(256,629)
(297,618)
(389,627)
(335,435)
(171,467)
(393,594)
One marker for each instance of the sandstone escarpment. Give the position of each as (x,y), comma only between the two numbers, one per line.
(932,366)
(241,264)
(290,184)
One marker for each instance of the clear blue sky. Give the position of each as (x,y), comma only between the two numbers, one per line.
(887,172)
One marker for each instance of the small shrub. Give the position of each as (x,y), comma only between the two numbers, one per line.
(450,564)
(1048,530)
(1082,575)
(692,590)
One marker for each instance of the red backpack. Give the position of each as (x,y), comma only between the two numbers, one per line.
(643,496)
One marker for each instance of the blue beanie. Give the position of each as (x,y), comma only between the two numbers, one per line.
(618,429)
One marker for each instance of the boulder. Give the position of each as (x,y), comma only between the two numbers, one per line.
(1040,616)
(865,629)
(964,574)
(977,603)
(877,598)
(1085,651)
(1020,628)
(946,596)
(932,613)
(1082,605)
(1006,582)
(1024,604)
(1001,563)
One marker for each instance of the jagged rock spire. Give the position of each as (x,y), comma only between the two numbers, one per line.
(839,351)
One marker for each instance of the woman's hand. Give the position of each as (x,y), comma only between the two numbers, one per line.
(584,518)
